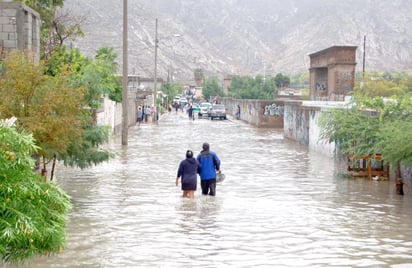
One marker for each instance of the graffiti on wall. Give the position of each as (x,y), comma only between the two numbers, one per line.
(274,110)
(320,86)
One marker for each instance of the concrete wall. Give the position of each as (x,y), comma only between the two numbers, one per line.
(301,124)
(111,114)
(315,143)
(298,119)
(19,28)
(260,113)
(296,122)
(406,172)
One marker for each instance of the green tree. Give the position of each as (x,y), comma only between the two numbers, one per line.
(408,84)
(54,111)
(64,59)
(252,87)
(395,142)
(171,89)
(46,106)
(374,84)
(372,126)
(269,88)
(88,151)
(98,78)
(212,88)
(33,214)
(352,130)
(97,75)
(300,80)
(282,80)
(394,139)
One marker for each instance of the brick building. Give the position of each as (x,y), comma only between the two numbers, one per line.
(332,73)
(19,28)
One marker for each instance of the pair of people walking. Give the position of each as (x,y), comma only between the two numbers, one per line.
(206,164)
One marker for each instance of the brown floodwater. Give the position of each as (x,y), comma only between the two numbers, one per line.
(281,205)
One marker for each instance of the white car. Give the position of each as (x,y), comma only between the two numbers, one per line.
(204,108)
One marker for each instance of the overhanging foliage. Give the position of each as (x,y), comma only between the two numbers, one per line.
(372,126)
(33,214)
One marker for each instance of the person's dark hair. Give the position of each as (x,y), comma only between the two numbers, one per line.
(189,154)
(206,146)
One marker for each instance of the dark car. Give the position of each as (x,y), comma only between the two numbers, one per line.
(217,111)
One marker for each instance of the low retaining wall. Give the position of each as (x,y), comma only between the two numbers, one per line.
(298,119)
(260,113)
(301,124)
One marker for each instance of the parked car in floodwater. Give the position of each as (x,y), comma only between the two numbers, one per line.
(204,108)
(217,111)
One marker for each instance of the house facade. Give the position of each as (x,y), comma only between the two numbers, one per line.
(19,28)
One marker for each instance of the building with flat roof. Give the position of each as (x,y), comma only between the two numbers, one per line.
(332,73)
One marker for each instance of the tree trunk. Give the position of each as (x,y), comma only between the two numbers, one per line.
(53,167)
(44,170)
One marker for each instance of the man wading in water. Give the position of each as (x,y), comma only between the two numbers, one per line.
(209,164)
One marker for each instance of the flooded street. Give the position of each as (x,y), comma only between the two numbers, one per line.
(280,206)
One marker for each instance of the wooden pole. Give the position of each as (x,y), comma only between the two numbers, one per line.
(125,123)
(155,78)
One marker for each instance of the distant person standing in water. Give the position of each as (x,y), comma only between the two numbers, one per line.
(139,115)
(190,111)
(188,170)
(209,164)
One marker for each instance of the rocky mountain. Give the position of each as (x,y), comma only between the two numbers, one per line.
(247,37)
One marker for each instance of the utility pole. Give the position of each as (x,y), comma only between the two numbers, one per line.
(125,123)
(364,48)
(155,77)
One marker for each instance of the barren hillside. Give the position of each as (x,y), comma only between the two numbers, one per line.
(247,37)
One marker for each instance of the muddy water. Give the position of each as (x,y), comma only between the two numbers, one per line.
(280,206)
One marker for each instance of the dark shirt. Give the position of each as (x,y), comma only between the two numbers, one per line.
(188,171)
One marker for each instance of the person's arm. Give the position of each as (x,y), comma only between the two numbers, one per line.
(216,161)
(179,173)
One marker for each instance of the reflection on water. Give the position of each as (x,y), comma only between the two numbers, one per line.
(280,206)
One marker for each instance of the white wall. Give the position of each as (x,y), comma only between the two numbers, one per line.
(315,143)
(301,123)
(110,114)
